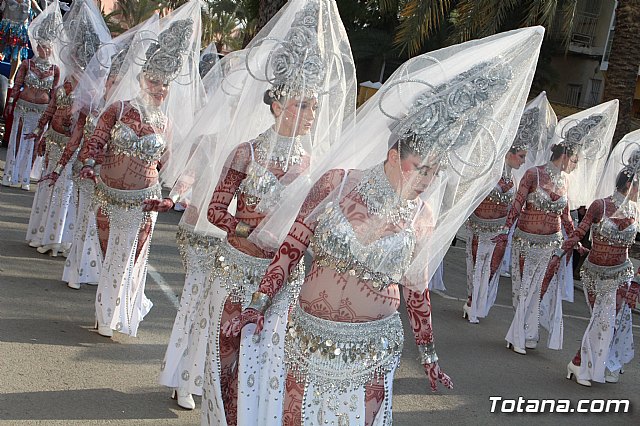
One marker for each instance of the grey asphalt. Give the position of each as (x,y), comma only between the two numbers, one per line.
(55,370)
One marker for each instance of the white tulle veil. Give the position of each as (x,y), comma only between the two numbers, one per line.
(537,126)
(588,134)
(458,108)
(302,54)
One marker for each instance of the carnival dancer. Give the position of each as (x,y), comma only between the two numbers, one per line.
(37,77)
(607,344)
(53,212)
(387,222)
(14,36)
(541,207)
(305,75)
(490,216)
(84,263)
(128,142)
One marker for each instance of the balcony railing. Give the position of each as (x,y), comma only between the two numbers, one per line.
(584,29)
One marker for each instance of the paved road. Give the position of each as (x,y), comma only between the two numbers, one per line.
(55,370)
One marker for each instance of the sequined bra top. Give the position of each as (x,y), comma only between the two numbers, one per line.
(124,141)
(261,187)
(501,198)
(63,100)
(36,82)
(382,262)
(541,200)
(607,231)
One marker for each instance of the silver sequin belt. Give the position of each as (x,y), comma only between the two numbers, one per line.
(128,199)
(480,226)
(204,246)
(341,356)
(56,138)
(536,241)
(27,107)
(603,279)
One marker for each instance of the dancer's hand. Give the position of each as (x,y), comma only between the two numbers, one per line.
(435,375)
(161,206)
(234,326)
(53,177)
(582,249)
(87,172)
(552,269)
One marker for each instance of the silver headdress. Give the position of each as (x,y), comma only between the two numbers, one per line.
(447,117)
(118,60)
(165,57)
(583,136)
(528,135)
(47,30)
(207,61)
(84,44)
(297,67)
(632,163)
(86,31)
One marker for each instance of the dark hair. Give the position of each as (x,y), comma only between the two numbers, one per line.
(270,97)
(403,146)
(514,150)
(622,180)
(558,150)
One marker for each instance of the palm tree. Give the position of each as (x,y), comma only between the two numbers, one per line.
(624,62)
(130,13)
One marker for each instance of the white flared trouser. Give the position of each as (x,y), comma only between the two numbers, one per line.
(608,339)
(18,164)
(480,287)
(530,311)
(84,262)
(120,300)
(184,360)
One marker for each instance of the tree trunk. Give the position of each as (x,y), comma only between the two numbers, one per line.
(624,60)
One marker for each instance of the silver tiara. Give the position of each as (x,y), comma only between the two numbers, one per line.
(297,67)
(446,118)
(584,136)
(528,135)
(165,57)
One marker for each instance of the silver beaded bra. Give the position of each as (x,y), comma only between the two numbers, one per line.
(382,262)
(124,141)
(36,82)
(64,100)
(541,200)
(261,187)
(607,231)
(501,198)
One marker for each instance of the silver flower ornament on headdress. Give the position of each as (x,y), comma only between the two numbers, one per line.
(297,67)
(632,164)
(165,57)
(47,30)
(528,134)
(446,118)
(83,44)
(584,137)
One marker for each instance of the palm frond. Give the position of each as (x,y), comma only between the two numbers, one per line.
(418,20)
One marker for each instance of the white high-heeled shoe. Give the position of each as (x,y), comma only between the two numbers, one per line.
(516,349)
(75,286)
(611,376)
(466,313)
(103,330)
(184,398)
(572,370)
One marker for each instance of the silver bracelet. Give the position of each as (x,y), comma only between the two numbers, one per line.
(58,169)
(559,252)
(428,353)
(89,162)
(260,302)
